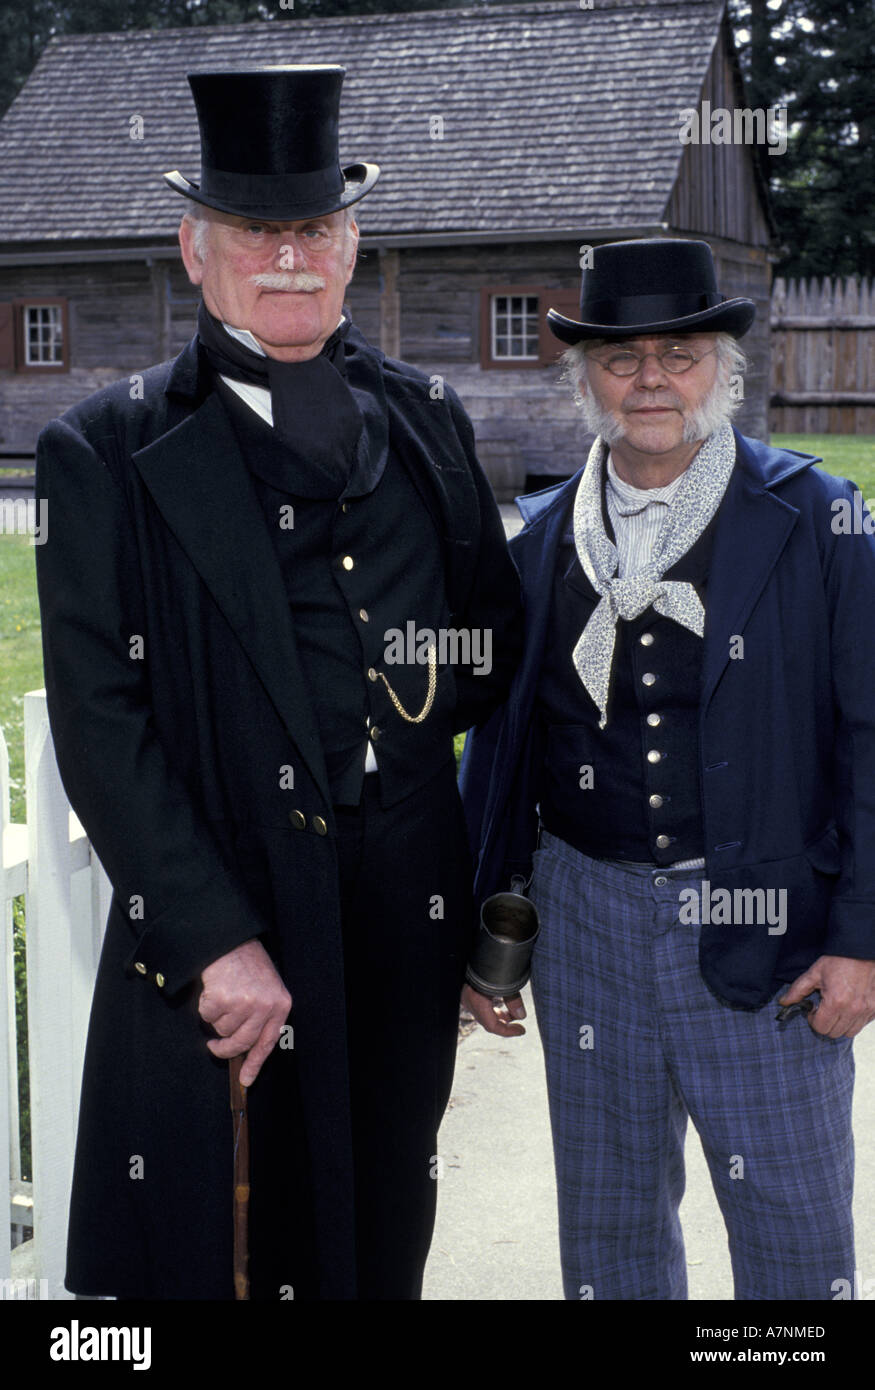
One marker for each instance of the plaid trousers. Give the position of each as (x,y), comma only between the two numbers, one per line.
(634,1043)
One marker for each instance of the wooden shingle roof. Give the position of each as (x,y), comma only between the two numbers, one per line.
(553,116)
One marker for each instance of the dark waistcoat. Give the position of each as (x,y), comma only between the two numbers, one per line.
(631,790)
(355,565)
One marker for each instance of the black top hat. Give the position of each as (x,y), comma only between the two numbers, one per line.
(657,285)
(269,144)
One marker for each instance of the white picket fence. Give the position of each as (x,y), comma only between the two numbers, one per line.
(67,897)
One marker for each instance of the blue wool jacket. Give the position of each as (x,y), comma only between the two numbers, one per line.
(786,735)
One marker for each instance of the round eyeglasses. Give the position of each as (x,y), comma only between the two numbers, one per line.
(624,362)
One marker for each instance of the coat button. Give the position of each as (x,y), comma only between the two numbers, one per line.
(363,614)
(648,678)
(138,965)
(319,825)
(663,841)
(374,732)
(372,675)
(655,801)
(654,720)
(344,507)
(298,819)
(159,980)
(347,562)
(646,639)
(653,756)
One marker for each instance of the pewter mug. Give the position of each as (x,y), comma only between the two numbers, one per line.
(501,961)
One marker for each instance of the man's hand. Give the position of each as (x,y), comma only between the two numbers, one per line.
(247,1003)
(847,988)
(484,1010)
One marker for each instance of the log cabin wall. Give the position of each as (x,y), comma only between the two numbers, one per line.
(716,191)
(123,316)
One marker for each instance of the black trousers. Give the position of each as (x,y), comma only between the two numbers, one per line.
(405,880)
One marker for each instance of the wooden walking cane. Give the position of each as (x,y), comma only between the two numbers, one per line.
(241,1181)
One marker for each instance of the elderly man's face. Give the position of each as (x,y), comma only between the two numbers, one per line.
(284,281)
(653,407)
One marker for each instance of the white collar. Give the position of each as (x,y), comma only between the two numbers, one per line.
(630,499)
(245,337)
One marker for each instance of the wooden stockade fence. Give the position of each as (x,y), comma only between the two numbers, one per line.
(67,896)
(823,356)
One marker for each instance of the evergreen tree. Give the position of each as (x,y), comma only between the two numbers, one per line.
(816,58)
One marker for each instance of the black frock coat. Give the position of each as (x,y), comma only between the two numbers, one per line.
(175,697)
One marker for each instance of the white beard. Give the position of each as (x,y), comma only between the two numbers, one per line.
(716,409)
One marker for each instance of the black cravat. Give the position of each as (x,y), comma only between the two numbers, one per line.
(315,413)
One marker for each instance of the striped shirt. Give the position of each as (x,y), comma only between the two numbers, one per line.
(637,514)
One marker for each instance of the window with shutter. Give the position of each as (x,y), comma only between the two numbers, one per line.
(7,338)
(41,335)
(513,325)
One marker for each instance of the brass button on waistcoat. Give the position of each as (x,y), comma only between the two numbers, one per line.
(653,756)
(374,733)
(372,675)
(663,841)
(347,562)
(654,720)
(138,965)
(648,678)
(363,614)
(655,801)
(319,825)
(298,819)
(646,639)
(159,980)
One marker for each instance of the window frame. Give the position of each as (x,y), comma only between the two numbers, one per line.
(549,346)
(19,311)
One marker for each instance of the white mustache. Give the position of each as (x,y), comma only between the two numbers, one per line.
(662,403)
(288,280)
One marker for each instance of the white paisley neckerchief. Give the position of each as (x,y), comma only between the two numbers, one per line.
(694,504)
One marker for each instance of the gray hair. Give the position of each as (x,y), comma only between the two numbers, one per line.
(199,218)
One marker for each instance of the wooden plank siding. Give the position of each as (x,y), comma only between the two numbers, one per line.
(715,192)
(823,356)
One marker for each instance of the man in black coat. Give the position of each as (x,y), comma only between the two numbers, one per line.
(275,587)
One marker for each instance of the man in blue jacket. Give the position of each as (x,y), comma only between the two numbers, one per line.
(690,744)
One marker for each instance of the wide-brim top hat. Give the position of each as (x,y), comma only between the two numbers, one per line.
(655,285)
(269,144)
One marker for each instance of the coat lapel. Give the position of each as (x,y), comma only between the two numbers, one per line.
(751,531)
(198,478)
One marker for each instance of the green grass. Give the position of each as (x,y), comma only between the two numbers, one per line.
(21,658)
(844,455)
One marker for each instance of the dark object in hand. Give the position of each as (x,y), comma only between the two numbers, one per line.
(501,960)
(805,1006)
